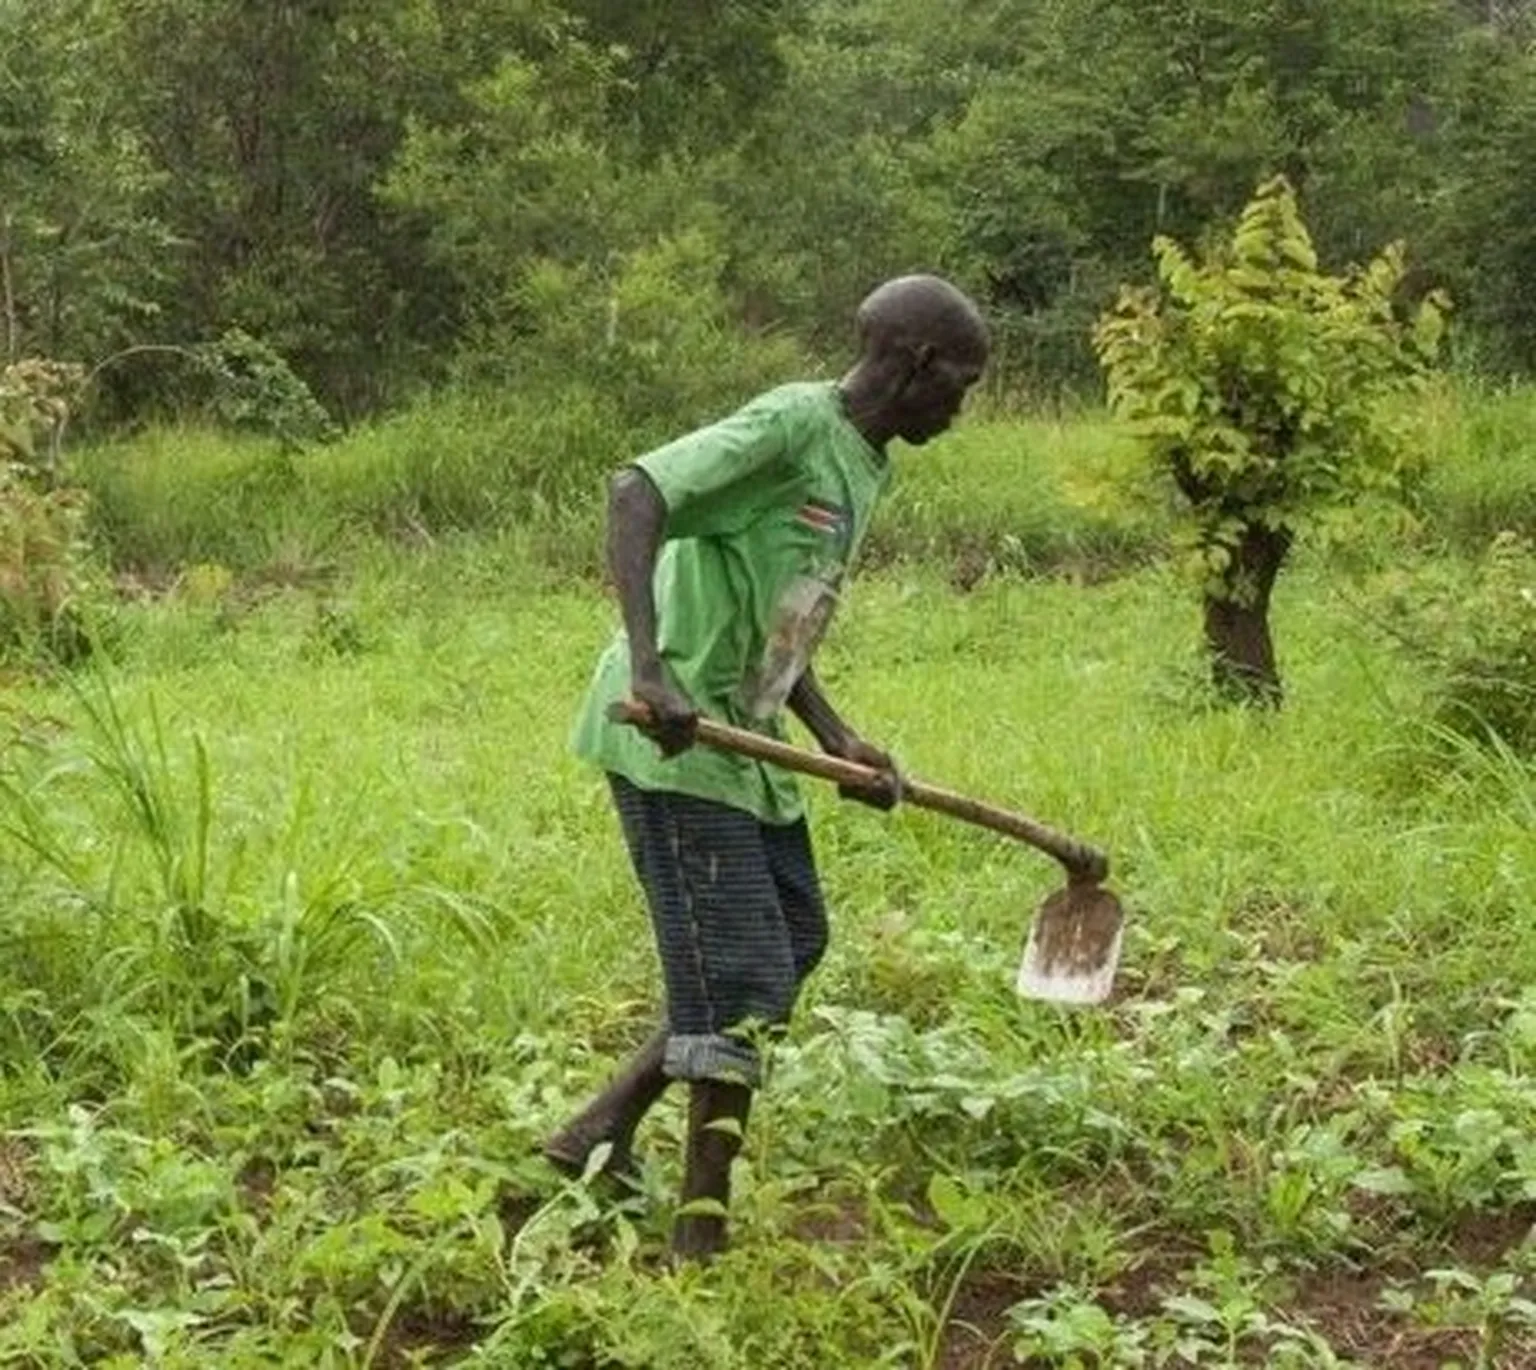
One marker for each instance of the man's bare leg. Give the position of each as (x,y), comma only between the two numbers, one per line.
(717,1119)
(613,1115)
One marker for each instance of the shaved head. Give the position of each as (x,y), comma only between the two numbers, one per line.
(914,311)
(923,345)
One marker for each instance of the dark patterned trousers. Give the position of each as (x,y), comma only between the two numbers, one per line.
(739,921)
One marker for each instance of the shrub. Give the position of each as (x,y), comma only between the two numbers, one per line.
(46,573)
(255,390)
(651,336)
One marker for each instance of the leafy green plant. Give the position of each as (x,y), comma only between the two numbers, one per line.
(1496,1306)
(36,397)
(241,383)
(1463,1149)
(49,583)
(50,588)
(254,389)
(1308,1182)
(1227,1313)
(1068,1328)
(1258,383)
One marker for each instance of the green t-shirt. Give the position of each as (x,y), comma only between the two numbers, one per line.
(765,513)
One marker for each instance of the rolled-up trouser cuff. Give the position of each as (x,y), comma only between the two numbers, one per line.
(713,1058)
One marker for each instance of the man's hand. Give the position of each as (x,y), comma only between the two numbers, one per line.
(674,720)
(884,792)
(813,709)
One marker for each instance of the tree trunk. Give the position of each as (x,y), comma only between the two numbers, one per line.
(1237,621)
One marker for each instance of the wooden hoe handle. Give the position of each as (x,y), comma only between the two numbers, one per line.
(1084,864)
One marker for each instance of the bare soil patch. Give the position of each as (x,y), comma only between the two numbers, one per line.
(975,1337)
(22,1263)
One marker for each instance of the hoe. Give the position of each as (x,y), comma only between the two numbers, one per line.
(1074,942)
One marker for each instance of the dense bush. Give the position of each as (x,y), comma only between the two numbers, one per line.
(366,185)
(1472,627)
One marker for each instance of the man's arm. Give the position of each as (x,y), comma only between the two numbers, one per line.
(812,707)
(808,704)
(637,521)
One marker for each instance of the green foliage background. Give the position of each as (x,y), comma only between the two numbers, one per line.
(386,192)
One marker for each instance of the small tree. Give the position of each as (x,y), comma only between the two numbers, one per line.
(1262,386)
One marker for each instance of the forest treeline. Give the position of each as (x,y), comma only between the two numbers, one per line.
(668,199)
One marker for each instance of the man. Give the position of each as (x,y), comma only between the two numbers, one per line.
(727,548)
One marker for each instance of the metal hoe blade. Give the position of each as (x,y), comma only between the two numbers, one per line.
(1073,947)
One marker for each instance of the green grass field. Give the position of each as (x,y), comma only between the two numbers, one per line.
(312,930)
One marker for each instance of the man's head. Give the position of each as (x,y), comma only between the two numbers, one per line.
(924,344)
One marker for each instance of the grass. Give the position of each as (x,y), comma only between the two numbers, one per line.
(171,498)
(1026,496)
(1482,479)
(1068,496)
(1059,496)
(313,929)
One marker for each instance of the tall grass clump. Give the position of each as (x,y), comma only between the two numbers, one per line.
(1469,626)
(1482,479)
(471,460)
(1030,496)
(171,498)
(139,910)
(175,496)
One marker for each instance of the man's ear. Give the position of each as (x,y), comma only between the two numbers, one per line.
(917,358)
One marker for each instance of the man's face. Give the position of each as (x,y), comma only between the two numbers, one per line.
(936,388)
